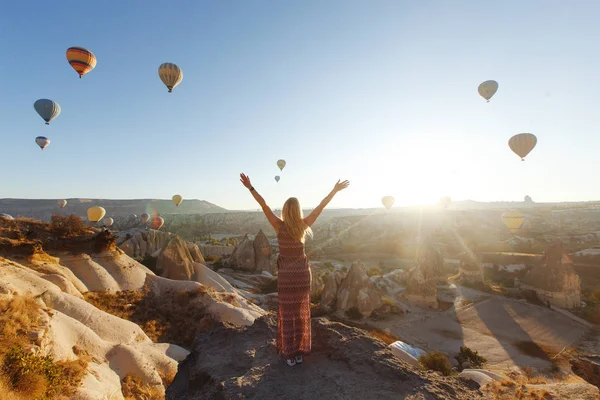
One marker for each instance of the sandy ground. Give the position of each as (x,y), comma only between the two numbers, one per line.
(507,332)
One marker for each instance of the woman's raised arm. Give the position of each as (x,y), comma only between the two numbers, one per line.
(312,217)
(273,219)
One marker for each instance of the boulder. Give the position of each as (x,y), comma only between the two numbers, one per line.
(243,257)
(262,252)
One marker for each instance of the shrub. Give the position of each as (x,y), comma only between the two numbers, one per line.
(67,226)
(133,388)
(373,271)
(388,301)
(315,297)
(473,357)
(353,313)
(211,258)
(41,376)
(436,361)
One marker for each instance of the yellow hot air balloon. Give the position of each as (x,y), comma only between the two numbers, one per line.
(487,89)
(62,203)
(388,201)
(170,74)
(522,144)
(82,60)
(281,164)
(95,213)
(177,199)
(513,220)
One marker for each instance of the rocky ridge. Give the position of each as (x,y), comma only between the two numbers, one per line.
(233,363)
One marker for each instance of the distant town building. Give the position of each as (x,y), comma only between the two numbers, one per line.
(554,280)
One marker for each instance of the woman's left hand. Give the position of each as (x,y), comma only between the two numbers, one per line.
(245,181)
(341,185)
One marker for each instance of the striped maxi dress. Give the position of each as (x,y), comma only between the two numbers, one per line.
(293,288)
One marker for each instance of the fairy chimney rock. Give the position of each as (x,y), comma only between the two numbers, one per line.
(262,252)
(243,256)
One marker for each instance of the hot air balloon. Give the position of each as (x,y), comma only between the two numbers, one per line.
(108,222)
(487,89)
(62,203)
(145,217)
(42,141)
(157,222)
(170,74)
(95,213)
(177,199)
(281,164)
(522,144)
(2,215)
(513,220)
(445,201)
(388,201)
(277,178)
(47,109)
(82,60)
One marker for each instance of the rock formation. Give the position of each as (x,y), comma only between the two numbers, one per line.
(422,281)
(243,257)
(210,250)
(345,363)
(262,252)
(419,291)
(554,280)
(342,292)
(68,326)
(431,263)
(139,243)
(176,261)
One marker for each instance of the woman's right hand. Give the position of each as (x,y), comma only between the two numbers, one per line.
(245,181)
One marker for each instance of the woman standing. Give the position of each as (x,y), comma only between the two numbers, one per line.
(294,276)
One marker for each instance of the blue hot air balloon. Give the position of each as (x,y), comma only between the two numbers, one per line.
(47,109)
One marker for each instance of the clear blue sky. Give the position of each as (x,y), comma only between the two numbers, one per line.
(383,93)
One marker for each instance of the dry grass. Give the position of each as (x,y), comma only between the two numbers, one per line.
(134,389)
(171,319)
(23,373)
(509,390)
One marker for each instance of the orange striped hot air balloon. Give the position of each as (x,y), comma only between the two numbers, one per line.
(82,60)
(522,144)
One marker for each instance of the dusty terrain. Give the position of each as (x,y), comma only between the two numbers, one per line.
(507,332)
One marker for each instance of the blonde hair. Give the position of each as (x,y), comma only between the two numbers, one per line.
(292,217)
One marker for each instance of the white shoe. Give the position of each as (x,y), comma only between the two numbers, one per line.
(291,362)
(299,359)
